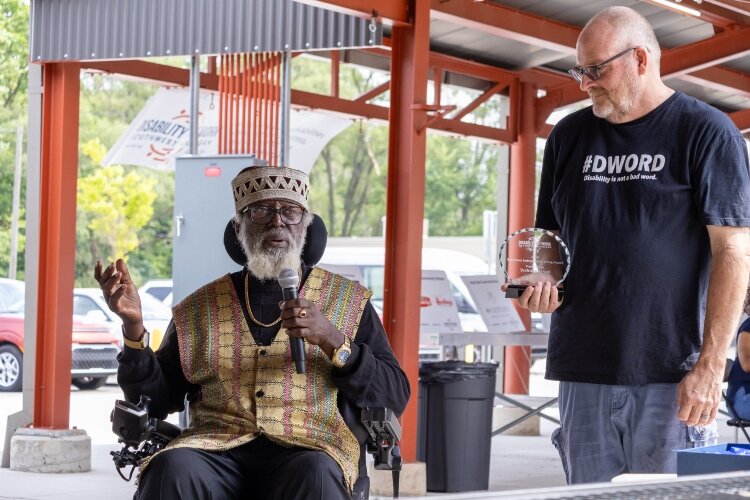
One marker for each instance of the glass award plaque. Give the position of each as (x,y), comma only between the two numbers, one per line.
(530,255)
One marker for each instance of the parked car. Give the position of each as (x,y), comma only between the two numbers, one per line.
(161,289)
(94,347)
(370,261)
(370,264)
(89,305)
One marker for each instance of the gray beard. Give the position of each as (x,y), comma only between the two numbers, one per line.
(267,263)
(618,104)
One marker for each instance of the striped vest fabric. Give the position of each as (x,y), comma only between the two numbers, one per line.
(248,389)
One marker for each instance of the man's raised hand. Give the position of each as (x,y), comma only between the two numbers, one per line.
(120,294)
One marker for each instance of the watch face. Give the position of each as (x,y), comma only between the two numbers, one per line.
(343,356)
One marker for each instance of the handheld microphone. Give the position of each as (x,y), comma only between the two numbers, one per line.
(289,282)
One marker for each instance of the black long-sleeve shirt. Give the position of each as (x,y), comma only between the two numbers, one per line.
(371,378)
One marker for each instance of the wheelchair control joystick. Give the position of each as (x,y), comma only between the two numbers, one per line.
(141,435)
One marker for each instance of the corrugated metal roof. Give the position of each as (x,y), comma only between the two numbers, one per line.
(69,30)
(672,30)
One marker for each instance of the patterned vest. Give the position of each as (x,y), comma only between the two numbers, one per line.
(248,389)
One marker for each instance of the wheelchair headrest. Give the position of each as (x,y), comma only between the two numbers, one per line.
(312,251)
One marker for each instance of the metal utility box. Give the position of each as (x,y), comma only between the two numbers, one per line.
(203,204)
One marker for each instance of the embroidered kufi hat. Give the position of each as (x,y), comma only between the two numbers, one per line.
(255,184)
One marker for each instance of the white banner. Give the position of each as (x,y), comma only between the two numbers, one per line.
(161,132)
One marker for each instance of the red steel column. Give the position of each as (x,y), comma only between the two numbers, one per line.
(57,245)
(405,204)
(520,215)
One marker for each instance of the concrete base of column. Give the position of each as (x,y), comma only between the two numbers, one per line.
(412,480)
(49,450)
(502,415)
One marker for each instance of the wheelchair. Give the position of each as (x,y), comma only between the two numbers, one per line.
(378,428)
(142,436)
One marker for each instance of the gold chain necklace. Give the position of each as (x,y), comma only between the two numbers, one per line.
(250,311)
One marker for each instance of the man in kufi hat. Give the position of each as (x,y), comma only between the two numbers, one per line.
(259,428)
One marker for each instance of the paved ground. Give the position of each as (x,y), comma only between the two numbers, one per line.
(517,462)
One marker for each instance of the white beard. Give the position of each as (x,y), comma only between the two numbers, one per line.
(267,263)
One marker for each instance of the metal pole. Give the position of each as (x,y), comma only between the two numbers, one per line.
(195,90)
(33,180)
(285,104)
(13,265)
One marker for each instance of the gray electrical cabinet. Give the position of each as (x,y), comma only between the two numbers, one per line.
(203,204)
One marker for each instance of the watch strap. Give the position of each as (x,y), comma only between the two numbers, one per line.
(346,346)
(139,344)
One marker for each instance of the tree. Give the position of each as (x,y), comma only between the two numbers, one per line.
(460,184)
(14,26)
(113,206)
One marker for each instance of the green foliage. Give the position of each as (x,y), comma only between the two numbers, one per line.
(115,205)
(107,107)
(153,257)
(348,181)
(460,184)
(14,26)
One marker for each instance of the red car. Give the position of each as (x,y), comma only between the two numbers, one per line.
(94,348)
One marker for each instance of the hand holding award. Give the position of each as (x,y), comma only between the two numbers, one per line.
(531,255)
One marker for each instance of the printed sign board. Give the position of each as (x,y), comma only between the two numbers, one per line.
(498,313)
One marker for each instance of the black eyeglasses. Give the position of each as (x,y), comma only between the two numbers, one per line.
(594,71)
(290,215)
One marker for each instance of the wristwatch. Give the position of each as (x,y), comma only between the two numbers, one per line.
(342,353)
(139,344)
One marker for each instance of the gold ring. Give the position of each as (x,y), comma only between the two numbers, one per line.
(302,314)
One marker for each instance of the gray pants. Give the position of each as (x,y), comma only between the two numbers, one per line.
(607,430)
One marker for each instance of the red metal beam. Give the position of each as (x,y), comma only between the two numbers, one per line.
(721,78)
(510,23)
(361,109)
(405,205)
(479,101)
(373,93)
(521,214)
(57,244)
(152,72)
(394,12)
(738,6)
(358,108)
(742,120)
(726,46)
(543,78)
(471,68)
(335,71)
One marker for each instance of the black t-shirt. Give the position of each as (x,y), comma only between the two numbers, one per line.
(632,202)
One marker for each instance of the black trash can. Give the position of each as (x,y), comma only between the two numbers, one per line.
(455,424)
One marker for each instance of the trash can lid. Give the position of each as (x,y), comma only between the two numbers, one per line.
(451,371)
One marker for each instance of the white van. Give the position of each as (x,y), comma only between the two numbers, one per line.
(370,262)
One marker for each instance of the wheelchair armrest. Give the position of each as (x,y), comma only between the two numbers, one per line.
(384,432)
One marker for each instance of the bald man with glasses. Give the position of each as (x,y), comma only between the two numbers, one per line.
(650,189)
